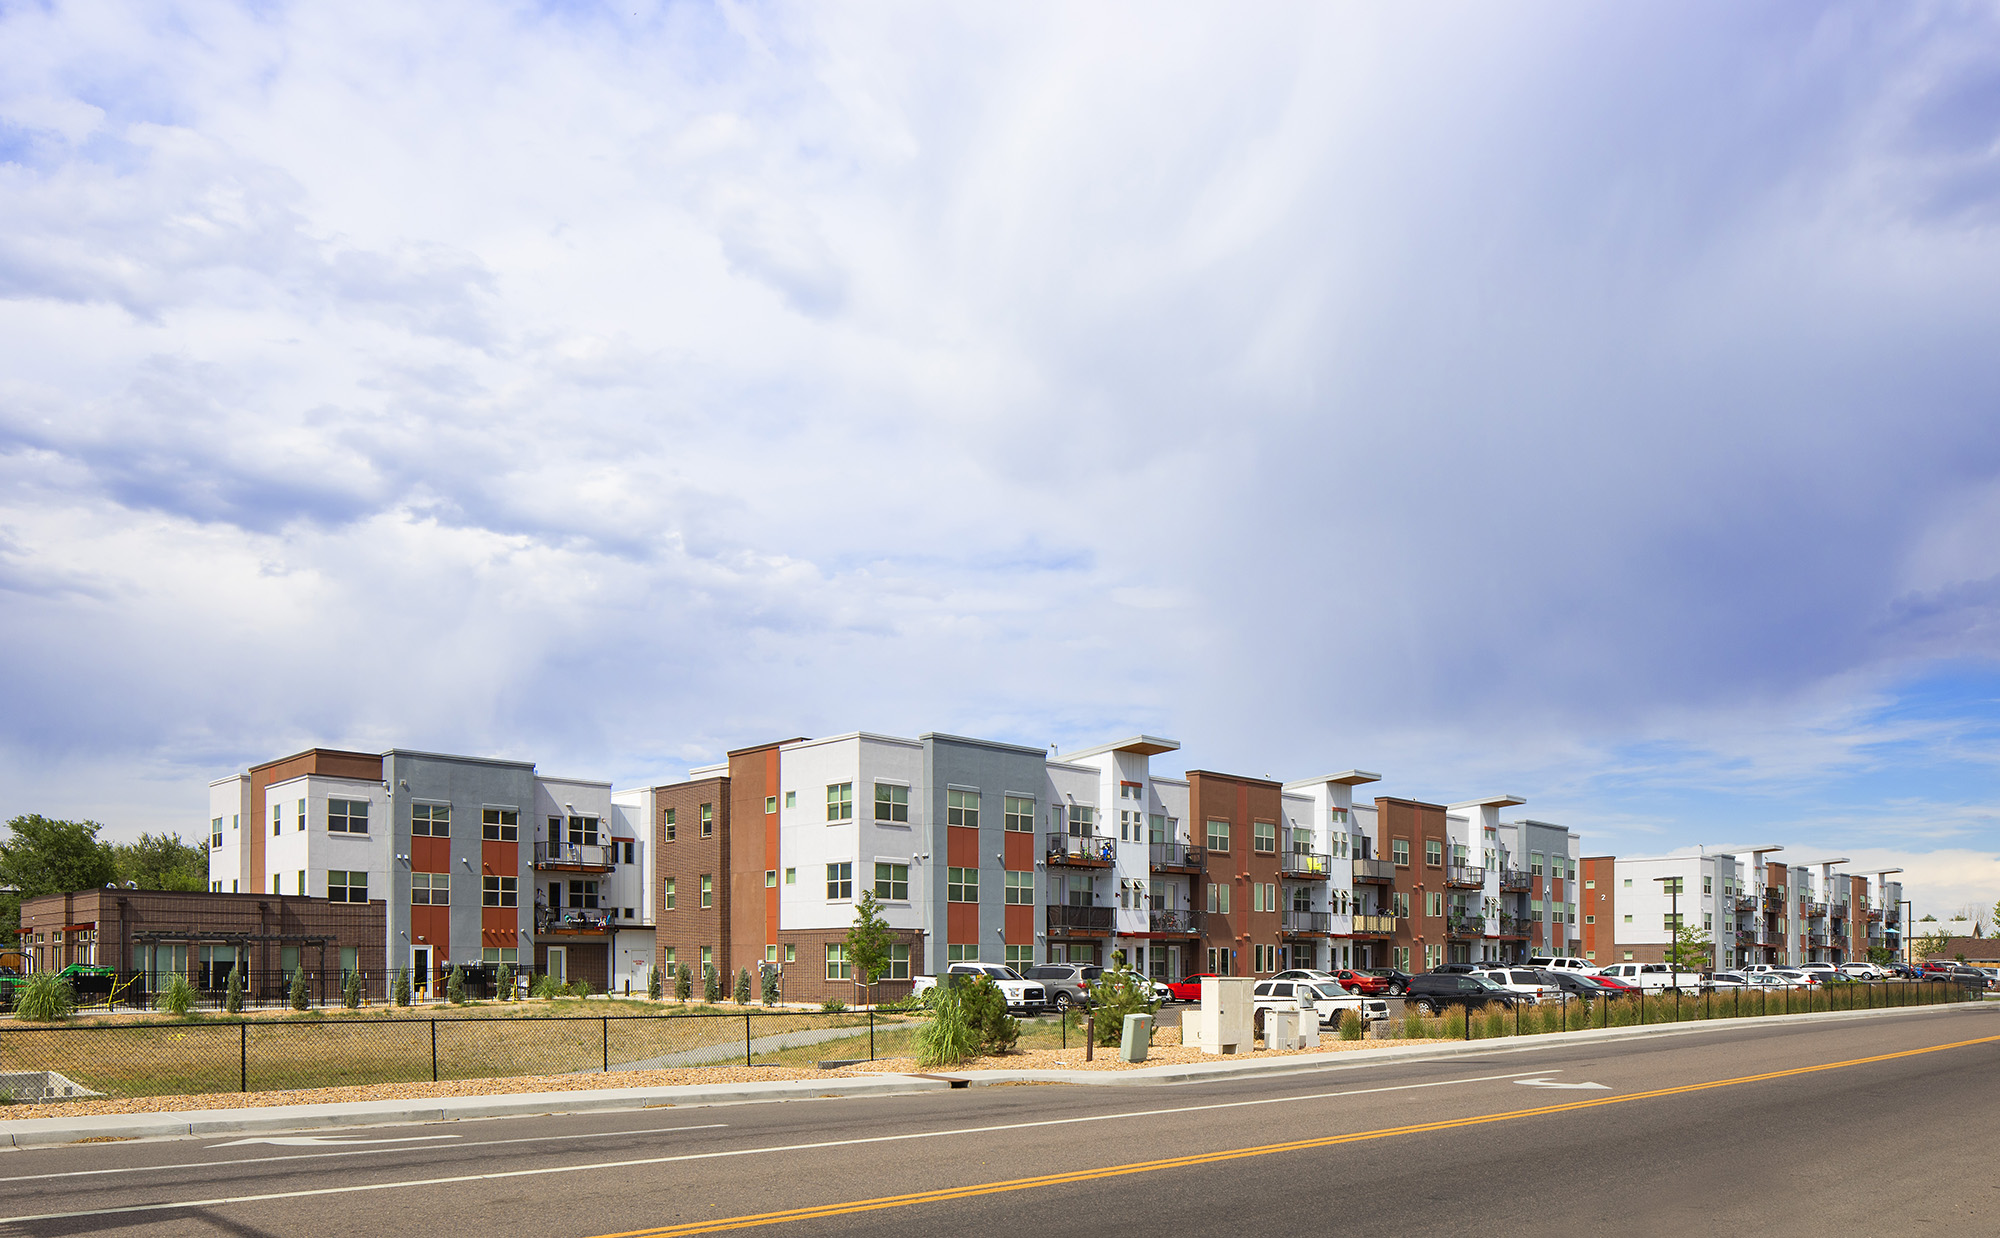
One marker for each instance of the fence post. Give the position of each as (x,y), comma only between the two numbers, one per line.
(746,1037)
(434,1050)
(607,1044)
(243,1058)
(871,1034)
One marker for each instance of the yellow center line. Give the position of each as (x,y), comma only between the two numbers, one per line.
(1234,1154)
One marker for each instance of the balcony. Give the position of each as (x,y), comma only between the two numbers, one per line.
(1079,921)
(574,857)
(1816,939)
(1516,881)
(1774,900)
(1893,919)
(1178,923)
(1084,852)
(1746,902)
(1179,857)
(1306,923)
(574,920)
(1374,926)
(1464,928)
(1305,865)
(1510,927)
(1815,909)
(1465,876)
(1874,913)
(1374,870)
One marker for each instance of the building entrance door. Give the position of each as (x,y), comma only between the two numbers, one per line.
(420,969)
(559,964)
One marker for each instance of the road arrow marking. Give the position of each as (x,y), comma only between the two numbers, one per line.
(1550,1083)
(318,1141)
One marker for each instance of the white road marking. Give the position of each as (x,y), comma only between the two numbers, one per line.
(320,1156)
(543,1171)
(1550,1083)
(320,1141)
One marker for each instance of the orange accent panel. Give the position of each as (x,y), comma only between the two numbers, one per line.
(1020,926)
(1020,852)
(961,924)
(433,924)
(430,855)
(961,847)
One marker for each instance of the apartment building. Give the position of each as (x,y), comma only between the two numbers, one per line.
(472,859)
(1754,909)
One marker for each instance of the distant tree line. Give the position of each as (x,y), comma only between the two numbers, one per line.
(42,855)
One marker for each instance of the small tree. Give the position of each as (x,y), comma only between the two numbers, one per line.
(1114,995)
(232,994)
(743,986)
(868,941)
(683,984)
(770,986)
(1691,950)
(350,993)
(403,987)
(653,984)
(454,985)
(504,981)
(711,984)
(301,996)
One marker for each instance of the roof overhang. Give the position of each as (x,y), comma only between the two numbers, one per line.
(1137,745)
(1346,777)
(1491,801)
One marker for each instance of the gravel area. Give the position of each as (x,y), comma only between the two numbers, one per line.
(1166,1051)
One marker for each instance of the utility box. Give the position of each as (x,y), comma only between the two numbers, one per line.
(1308,1030)
(1221,1024)
(1138,1037)
(1281,1029)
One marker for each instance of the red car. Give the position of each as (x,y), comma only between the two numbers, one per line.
(1611,982)
(1363,983)
(1188,988)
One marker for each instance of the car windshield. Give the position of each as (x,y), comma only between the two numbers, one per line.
(1482,981)
(1321,992)
(1000,973)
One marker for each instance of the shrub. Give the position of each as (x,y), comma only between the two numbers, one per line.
(903,1004)
(832,1005)
(653,984)
(986,1013)
(504,981)
(949,1036)
(232,994)
(579,987)
(454,986)
(711,984)
(1452,1026)
(548,986)
(1350,1025)
(771,986)
(683,984)
(743,986)
(301,997)
(403,987)
(1114,995)
(178,997)
(350,993)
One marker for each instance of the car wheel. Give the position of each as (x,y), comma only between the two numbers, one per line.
(1431,1008)
(1062,1003)
(1258,1021)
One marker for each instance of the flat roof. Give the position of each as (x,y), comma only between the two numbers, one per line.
(1138,745)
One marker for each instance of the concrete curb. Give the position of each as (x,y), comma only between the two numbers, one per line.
(46,1132)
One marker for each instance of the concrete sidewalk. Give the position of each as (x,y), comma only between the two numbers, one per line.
(44,1132)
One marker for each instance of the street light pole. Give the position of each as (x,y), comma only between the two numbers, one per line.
(1903,930)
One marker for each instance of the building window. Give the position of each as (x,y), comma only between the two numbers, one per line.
(707,958)
(1672,885)
(1591,884)
(899,963)
(583,894)
(430,889)
(706,892)
(770,806)
(1218,836)
(770,879)
(1433,852)
(496,825)
(667,895)
(791,876)
(1021,889)
(1263,836)
(1020,815)
(839,882)
(1399,850)
(430,820)
(1400,904)
(215,832)
(961,954)
(961,808)
(840,801)
(302,882)
(961,885)
(342,887)
(500,892)
(771,952)
(1628,919)
(667,824)
(300,817)
(500,954)
(892,803)
(837,966)
(277,822)
(1218,899)
(1433,904)
(791,953)
(791,799)
(1590,919)
(892,882)
(631,849)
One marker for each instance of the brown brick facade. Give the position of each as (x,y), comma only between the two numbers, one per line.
(1243,933)
(1597,905)
(1421,828)
(684,859)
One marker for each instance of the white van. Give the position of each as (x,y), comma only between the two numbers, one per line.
(1563,962)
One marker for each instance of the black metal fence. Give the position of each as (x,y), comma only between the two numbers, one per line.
(192,1057)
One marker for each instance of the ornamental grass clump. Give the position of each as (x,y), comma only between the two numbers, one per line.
(1494,1021)
(1350,1025)
(948,1037)
(44,998)
(178,996)
(1413,1025)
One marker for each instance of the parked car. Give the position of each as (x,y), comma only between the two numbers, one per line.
(1653,977)
(1562,962)
(1727,980)
(1368,984)
(1065,984)
(1312,976)
(1526,981)
(1188,988)
(1458,969)
(1395,983)
(1578,984)
(1865,971)
(1432,993)
(1023,995)
(1325,1001)
(1903,971)
(1820,971)
(1965,974)
(1615,984)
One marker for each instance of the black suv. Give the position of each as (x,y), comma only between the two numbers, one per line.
(1433,992)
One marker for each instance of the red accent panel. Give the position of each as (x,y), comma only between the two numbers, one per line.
(961,847)
(1020,852)
(961,924)
(1020,926)
(430,855)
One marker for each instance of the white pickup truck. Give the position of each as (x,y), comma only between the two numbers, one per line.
(1023,996)
(1654,977)
(1325,999)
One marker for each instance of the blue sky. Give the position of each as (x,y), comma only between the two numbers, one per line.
(1592,404)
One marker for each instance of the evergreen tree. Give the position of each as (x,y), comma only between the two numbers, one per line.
(711,984)
(301,996)
(403,987)
(454,985)
(653,984)
(683,984)
(504,982)
(770,986)
(743,986)
(350,993)
(232,996)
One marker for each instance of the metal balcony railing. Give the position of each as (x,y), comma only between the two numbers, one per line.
(1304,864)
(1374,870)
(1511,927)
(1515,879)
(1466,876)
(1088,849)
(1746,902)
(1064,919)
(1464,926)
(1178,855)
(1306,922)
(1181,921)
(1815,909)
(573,919)
(573,855)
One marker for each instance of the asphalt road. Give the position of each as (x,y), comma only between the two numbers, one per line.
(1884,1126)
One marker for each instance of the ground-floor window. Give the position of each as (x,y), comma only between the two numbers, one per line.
(961,954)
(1018,956)
(500,954)
(837,966)
(1401,957)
